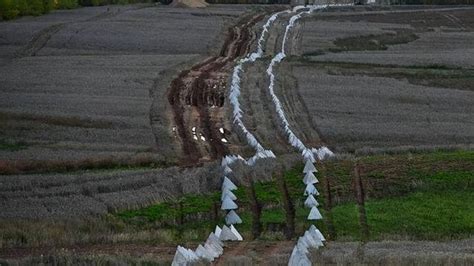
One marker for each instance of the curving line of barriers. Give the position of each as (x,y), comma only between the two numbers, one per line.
(312,238)
(214,246)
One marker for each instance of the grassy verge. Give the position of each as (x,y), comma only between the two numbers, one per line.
(138,161)
(64,121)
(408,196)
(414,196)
(373,41)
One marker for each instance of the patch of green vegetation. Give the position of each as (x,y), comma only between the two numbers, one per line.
(373,41)
(90,164)
(173,210)
(420,215)
(426,75)
(66,121)
(9,145)
(151,213)
(439,206)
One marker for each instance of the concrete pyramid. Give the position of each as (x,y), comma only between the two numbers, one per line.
(308,155)
(214,246)
(302,245)
(298,258)
(228,204)
(323,153)
(309,167)
(227,184)
(191,256)
(314,214)
(184,256)
(310,240)
(203,253)
(309,178)
(232,218)
(213,238)
(217,231)
(179,258)
(311,202)
(211,251)
(316,231)
(236,233)
(314,242)
(229,193)
(227,234)
(311,190)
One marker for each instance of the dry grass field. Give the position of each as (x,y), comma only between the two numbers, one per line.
(94,166)
(79,84)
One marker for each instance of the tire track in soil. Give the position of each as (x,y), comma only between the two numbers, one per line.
(39,40)
(294,102)
(203,87)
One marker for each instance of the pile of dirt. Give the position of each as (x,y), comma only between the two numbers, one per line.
(189,3)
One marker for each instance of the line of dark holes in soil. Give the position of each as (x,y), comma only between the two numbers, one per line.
(288,227)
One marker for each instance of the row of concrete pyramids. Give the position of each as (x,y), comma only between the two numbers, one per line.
(214,246)
(228,202)
(312,238)
(212,249)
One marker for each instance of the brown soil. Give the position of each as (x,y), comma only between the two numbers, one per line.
(198,95)
(265,252)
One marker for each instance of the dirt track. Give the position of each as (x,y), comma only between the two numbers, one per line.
(197,95)
(274,253)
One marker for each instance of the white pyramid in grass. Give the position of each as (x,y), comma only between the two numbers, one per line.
(227,184)
(310,240)
(313,240)
(236,233)
(302,245)
(228,204)
(298,258)
(227,234)
(314,214)
(314,230)
(311,202)
(311,190)
(229,193)
(217,231)
(309,178)
(232,218)
(309,167)
(203,253)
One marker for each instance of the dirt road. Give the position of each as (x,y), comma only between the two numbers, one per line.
(197,96)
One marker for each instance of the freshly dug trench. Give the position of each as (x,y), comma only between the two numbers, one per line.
(197,95)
